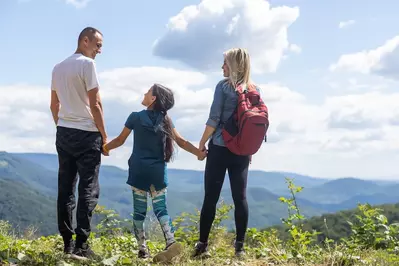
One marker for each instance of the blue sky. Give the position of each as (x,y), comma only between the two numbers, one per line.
(45,32)
(44,37)
(332,107)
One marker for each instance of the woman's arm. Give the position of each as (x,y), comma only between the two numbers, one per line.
(206,135)
(186,145)
(214,115)
(118,141)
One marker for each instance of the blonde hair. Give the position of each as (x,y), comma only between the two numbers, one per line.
(239,63)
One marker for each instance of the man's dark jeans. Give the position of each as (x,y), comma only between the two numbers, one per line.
(79,152)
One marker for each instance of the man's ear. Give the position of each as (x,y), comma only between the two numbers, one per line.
(86,40)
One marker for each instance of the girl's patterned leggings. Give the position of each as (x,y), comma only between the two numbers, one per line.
(160,210)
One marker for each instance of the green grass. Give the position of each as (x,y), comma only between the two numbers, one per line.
(122,250)
(373,241)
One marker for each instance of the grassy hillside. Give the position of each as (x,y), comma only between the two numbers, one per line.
(335,226)
(367,245)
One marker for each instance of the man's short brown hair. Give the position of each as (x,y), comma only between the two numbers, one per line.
(88,32)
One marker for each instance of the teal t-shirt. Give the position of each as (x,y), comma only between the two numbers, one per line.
(147,165)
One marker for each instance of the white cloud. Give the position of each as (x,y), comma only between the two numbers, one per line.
(295,48)
(24,110)
(310,138)
(78,3)
(345,24)
(129,84)
(199,34)
(381,61)
(365,121)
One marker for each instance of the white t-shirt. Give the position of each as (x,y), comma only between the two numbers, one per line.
(72,79)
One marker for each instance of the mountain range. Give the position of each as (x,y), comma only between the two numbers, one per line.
(28,190)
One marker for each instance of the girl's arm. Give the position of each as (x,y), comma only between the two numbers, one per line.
(186,145)
(118,141)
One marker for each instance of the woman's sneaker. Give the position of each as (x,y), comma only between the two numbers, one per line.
(239,248)
(143,252)
(201,250)
(171,251)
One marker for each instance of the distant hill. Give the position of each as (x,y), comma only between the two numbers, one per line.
(186,180)
(38,172)
(344,190)
(30,173)
(24,207)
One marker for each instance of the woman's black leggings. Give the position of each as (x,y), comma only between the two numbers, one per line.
(219,160)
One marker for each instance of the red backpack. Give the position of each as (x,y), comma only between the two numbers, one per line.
(244,132)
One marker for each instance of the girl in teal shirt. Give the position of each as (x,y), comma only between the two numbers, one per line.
(154,134)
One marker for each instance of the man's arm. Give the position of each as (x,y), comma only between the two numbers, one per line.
(97,111)
(54,106)
(92,87)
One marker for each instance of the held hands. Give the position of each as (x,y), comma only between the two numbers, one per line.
(203,152)
(202,155)
(105,151)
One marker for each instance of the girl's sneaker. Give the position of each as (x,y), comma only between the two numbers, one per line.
(143,252)
(201,250)
(170,252)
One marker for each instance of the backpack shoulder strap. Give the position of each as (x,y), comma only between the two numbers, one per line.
(240,89)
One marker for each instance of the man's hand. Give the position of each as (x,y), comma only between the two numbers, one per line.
(104,150)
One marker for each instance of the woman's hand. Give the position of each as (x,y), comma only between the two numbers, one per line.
(203,152)
(201,146)
(202,155)
(205,137)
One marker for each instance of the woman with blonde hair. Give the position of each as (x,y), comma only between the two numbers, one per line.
(236,70)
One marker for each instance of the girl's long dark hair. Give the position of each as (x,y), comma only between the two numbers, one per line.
(165,101)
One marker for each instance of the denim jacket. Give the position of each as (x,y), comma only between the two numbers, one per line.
(223,106)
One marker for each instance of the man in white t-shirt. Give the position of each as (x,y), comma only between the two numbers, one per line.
(78,114)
